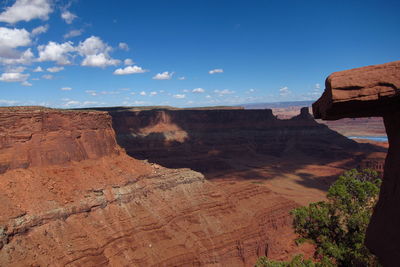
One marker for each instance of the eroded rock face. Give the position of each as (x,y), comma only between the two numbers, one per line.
(207,140)
(168,218)
(71,196)
(373,91)
(363,92)
(30,137)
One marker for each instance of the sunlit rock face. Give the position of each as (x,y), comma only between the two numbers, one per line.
(71,196)
(364,92)
(42,137)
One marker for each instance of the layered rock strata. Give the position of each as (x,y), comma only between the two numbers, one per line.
(71,197)
(41,137)
(365,92)
(207,140)
(169,218)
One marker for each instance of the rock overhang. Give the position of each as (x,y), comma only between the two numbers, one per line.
(367,92)
(371,91)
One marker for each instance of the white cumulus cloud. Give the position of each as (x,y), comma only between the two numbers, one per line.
(123,46)
(143,93)
(216,71)
(179,96)
(12,38)
(53,51)
(68,16)
(16,69)
(93,45)
(128,62)
(163,76)
(13,77)
(95,53)
(26,10)
(99,60)
(198,90)
(284,91)
(129,70)
(26,83)
(16,57)
(55,69)
(38,69)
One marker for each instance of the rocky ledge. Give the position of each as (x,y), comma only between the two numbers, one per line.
(373,91)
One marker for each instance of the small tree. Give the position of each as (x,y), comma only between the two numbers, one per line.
(297,261)
(337,226)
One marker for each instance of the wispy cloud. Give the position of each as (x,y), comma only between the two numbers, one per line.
(55,69)
(40,30)
(284,91)
(129,70)
(48,76)
(198,90)
(179,96)
(163,76)
(68,16)
(123,46)
(4,102)
(38,69)
(216,71)
(224,92)
(73,33)
(128,62)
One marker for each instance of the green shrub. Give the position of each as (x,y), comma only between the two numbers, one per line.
(337,226)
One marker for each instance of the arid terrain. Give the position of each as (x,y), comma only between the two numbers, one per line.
(369,126)
(161,187)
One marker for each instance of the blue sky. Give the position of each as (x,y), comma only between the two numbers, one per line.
(183,53)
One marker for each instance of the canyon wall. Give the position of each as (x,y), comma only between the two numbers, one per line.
(72,197)
(365,92)
(207,140)
(41,137)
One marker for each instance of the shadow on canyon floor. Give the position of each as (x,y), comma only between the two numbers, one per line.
(248,145)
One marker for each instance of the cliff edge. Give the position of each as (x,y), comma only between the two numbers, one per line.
(364,92)
(71,196)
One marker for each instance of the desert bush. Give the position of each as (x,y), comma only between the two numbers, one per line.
(337,226)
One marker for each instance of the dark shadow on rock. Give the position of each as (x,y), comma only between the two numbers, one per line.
(223,141)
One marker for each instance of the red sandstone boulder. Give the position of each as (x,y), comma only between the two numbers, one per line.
(364,92)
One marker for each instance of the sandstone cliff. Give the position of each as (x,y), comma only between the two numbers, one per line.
(41,137)
(207,136)
(71,196)
(215,140)
(363,92)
